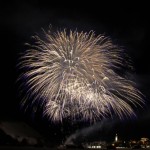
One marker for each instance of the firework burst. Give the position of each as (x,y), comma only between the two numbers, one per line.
(73,75)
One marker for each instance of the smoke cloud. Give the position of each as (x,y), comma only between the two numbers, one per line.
(99,130)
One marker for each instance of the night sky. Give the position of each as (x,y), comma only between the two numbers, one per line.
(126,23)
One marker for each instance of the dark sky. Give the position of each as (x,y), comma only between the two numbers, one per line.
(126,23)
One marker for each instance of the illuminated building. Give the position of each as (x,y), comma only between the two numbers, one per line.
(116,138)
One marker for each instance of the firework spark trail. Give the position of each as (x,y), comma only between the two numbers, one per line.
(74,75)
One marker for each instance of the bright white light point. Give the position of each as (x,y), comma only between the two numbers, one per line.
(105,78)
